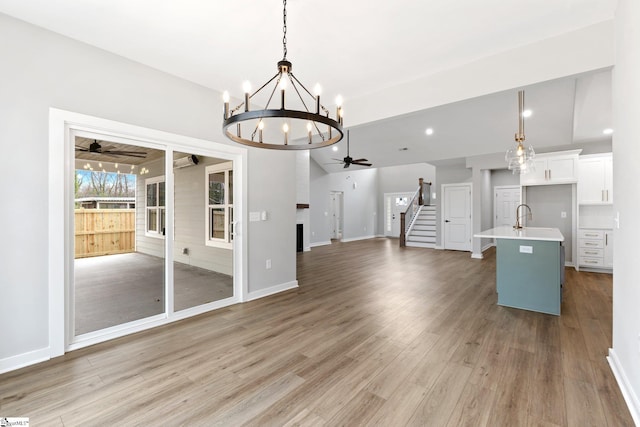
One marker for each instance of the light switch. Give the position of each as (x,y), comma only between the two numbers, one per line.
(254,216)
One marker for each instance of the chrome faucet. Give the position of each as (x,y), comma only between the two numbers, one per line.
(518,216)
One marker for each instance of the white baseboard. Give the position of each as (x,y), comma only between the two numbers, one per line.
(353,239)
(272,290)
(625,386)
(25,359)
(440,248)
(477,256)
(485,247)
(307,249)
(313,245)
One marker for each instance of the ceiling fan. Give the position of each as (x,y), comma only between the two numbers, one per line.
(96,148)
(348,161)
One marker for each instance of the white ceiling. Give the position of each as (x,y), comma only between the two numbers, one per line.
(355,48)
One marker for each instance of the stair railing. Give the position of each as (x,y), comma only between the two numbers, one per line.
(407,217)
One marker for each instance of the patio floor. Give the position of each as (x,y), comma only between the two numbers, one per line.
(115,289)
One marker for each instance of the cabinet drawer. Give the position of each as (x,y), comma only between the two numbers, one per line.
(587,252)
(590,234)
(591,244)
(591,262)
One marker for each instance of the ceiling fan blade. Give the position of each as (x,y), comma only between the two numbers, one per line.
(78,148)
(137,154)
(338,160)
(346,165)
(360,160)
(362,164)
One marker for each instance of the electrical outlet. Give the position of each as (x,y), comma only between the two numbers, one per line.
(268,264)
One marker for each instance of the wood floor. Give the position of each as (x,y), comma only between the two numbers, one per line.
(375,335)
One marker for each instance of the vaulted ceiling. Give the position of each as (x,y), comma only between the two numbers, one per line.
(355,48)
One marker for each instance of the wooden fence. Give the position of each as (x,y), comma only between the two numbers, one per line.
(104,232)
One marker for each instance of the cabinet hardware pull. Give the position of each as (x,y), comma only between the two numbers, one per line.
(607,195)
(606,239)
(549,174)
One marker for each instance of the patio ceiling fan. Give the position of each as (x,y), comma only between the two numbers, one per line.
(348,160)
(96,148)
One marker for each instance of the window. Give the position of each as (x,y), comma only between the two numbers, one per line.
(219,201)
(155,209)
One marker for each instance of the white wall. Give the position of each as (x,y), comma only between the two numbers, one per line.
(625,354)
(360,203)
(401,179)
(40,70)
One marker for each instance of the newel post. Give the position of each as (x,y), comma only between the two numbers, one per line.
(420,199)
(403,238)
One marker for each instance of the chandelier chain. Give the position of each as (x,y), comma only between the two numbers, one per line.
(284,29)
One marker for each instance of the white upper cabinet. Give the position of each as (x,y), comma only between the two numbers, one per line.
(595,184)
(553,168)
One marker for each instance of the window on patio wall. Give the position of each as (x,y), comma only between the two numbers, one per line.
(155,207)
(219,205)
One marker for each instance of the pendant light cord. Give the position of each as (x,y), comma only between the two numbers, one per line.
(284,29)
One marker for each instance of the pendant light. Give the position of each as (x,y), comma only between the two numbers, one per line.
(520,159)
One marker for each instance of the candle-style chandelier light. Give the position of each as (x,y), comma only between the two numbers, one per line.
(300,122)
(520,159)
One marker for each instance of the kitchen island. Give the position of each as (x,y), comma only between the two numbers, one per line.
(529,267)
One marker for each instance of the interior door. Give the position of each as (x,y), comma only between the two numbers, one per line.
(395,204)
(457,216)
(506,200)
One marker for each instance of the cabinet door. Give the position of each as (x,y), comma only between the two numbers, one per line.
(608,249)
(561,169)
(608,179)
(591,181)
(536,176)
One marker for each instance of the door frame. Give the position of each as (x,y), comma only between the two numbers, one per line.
(62,125)
(468,185)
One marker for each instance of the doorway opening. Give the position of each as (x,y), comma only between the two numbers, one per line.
(336,202)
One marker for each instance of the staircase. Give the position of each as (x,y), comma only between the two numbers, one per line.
(422,233)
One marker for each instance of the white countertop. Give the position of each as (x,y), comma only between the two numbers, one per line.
(526,233)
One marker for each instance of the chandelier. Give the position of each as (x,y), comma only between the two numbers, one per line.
(520,159)
(300,121)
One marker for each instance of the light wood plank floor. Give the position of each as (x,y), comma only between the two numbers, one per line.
(375,335)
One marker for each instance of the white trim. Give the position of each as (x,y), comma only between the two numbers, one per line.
(272,290)
(633,403)
(313,245)
(477,256)
(62,126)
(25,359)
(353,239)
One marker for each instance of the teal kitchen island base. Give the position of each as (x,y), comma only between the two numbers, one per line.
(528,268)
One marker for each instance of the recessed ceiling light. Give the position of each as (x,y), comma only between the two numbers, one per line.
(429,131)
(607,131)
(526,113)
(334,148)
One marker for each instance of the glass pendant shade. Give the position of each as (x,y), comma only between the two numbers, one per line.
(520,159)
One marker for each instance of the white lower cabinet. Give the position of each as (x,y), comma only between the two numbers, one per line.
(595,248)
